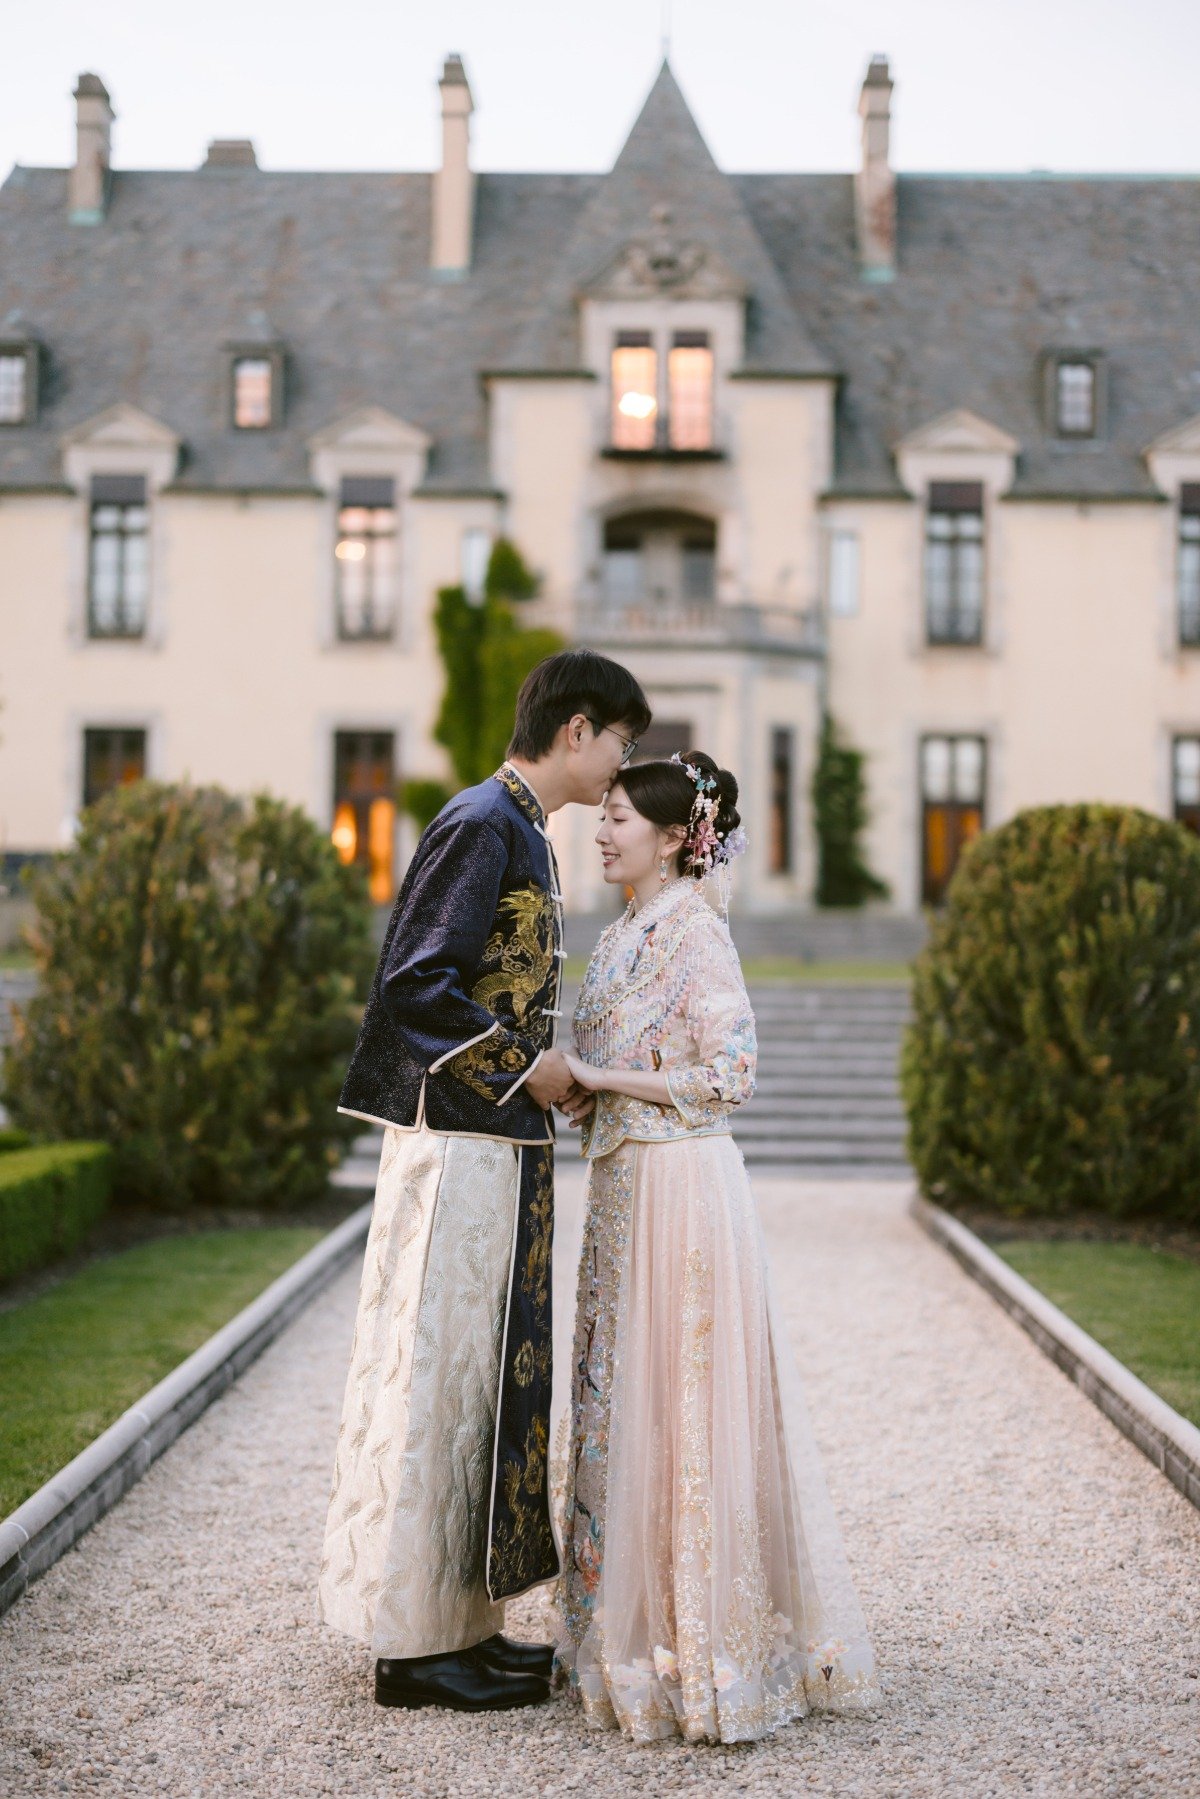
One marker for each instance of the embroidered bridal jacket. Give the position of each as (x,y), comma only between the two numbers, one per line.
(664,990)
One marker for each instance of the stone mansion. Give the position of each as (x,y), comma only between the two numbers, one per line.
(923,450)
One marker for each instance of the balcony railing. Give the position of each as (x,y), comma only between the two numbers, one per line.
(678,623)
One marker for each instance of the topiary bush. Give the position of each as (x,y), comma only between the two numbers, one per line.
(202,960)
(1053,1060)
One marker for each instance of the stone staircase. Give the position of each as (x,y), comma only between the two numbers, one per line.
(827,1099)
(827,1102)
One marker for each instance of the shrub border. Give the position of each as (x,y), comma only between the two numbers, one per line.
(54,1518)
(1166,1438)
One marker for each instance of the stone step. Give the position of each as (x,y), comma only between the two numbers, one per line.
(748,1127)
(828,1149)
(802,1104)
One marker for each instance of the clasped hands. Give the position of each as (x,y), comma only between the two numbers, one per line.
(562,1080)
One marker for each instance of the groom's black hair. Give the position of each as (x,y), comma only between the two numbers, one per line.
(570,682)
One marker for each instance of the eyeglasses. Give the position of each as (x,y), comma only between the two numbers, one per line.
(628,744)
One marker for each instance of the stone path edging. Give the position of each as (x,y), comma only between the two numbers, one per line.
(54,1518)
(1166,1438)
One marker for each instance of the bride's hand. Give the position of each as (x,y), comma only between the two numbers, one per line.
(589,1078)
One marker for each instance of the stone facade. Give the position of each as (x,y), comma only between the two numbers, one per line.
(924,449)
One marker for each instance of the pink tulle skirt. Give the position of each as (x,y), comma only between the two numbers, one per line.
(705,1590)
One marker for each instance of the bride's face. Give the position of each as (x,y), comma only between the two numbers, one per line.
(630,845)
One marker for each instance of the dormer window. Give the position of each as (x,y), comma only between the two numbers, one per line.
(634,391)
(18,372)
(662,393)
(1075,399)
(13,387)
(1074,393)
(252,392)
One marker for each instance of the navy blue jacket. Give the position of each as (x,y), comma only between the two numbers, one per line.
(465,996)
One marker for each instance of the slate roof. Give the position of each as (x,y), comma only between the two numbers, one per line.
(992,272)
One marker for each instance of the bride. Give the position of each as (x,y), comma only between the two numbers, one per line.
(704,1588)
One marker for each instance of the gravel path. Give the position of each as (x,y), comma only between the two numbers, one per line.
(1032,1585)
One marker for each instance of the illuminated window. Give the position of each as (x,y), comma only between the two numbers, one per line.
(1189,563)
(954,563)
(1185,781)
(364,807)
(1075,399)
(365,554)
(252,392)
(690,391)
(634,392)
(14,372)
(112,757)
(118,556)
(952,797)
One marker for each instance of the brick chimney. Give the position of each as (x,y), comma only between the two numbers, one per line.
(230,153)
(87,187)
(875,182)
(454,182)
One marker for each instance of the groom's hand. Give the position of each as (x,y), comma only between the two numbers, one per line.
(577,1104)
(551,1080)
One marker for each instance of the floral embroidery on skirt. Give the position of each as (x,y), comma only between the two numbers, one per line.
(705,1590)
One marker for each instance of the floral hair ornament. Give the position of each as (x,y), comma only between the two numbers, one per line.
(709,853)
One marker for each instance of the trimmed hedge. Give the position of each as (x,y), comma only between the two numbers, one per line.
(50,1197)
(1053,1060)
(201,960)
(13,1139)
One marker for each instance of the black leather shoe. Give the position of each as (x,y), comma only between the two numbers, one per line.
(463,1682)
(517,1658)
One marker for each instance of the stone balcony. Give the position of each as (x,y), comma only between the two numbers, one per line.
(672,622)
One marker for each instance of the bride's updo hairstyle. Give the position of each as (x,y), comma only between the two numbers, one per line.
(665,793)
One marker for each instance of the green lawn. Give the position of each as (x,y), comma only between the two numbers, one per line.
(1142,1304)
(74,1358)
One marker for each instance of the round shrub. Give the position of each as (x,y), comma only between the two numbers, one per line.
(1053,1061)
(199,960)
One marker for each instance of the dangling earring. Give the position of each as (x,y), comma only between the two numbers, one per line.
(662,868)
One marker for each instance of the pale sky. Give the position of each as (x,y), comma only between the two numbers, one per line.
(1093,85)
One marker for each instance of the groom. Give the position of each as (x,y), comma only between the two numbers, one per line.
(439,1509)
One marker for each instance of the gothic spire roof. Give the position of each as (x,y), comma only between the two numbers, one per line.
(665,175)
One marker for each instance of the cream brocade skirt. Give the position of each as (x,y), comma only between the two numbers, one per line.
(405,1551)
(705,1589)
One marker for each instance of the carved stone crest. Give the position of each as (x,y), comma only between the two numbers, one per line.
(660,262)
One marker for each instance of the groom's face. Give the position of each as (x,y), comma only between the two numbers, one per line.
(599,755)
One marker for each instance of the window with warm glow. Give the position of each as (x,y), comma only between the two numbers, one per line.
(952,799)
(690,391)
(1075,399)
(634,392)
(113,756)
(366,570)
(252,392)
(1185,781)
(13,373)
(364,806)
